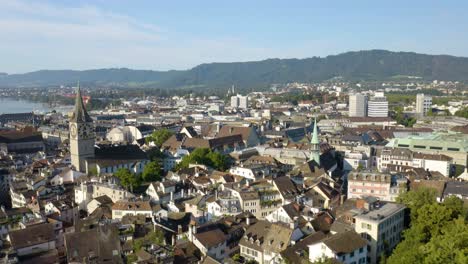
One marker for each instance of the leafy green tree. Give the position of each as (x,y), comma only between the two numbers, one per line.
(206,157)
(462,112)
(158,137)
(153,237)
(416,199)
(218,160)
(151,172)
(155,154)
(237,257)
(456,206)
(438,232)
(430,112)
(127,179)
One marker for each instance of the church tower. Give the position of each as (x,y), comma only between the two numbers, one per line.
(82,136)
(315,145)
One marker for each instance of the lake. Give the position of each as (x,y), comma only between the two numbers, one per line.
(10,105)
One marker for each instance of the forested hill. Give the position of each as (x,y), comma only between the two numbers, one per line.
(360,65)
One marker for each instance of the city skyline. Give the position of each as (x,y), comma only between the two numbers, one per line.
(165,36)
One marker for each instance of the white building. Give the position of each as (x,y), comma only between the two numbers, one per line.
(355,160)
(347,247)
(85,192)
(381,226)
(378,106)
(423,104)
(358,105)
(122,208)
(239,102)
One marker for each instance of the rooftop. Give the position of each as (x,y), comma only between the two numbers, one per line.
(381,213)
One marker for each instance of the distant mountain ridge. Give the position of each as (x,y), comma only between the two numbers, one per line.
(357,65)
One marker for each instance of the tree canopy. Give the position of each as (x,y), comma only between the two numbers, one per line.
(462,112)
(438,232)
(151,172)
(158,137)
(206,157)
(127,178)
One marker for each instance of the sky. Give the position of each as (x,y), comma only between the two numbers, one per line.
(165,35)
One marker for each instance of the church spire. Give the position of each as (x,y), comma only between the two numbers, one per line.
(315,145)
(79,113)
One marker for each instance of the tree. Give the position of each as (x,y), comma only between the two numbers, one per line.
(158,137)
(237,257)
(462,112)
(430,112)
(206,157)
(438,232)
(151,172)
(218,160)
(416,199)
(127,179)
(155,154)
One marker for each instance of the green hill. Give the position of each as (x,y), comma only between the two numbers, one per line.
(360,65)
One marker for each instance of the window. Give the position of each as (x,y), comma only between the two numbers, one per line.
(453,149)
(352,254)
(438,148)
(361,250)
(419,146)
(403,145)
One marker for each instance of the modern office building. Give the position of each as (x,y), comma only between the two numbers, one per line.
(239,102)
(423,104)
(358,105)
(378,106)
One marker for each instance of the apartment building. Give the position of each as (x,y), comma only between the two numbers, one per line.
(381,224)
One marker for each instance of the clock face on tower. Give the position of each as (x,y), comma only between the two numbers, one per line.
(73,131)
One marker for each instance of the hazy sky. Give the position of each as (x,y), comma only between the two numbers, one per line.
(170,34)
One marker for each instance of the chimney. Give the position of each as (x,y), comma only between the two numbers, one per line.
(247,220)
(172,196)
(216,194)
(182,193)
(342,199)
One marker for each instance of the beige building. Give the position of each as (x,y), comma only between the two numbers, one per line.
(381,225)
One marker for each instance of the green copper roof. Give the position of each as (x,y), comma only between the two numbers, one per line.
(79,114)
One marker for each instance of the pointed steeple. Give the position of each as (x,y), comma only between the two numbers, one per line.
(315,139)
(79,113)
(315,145)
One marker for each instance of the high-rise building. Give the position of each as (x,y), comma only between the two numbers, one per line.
(423,104)
(82,136)
(239,101)
(234,101)
(378,105)
(357,105)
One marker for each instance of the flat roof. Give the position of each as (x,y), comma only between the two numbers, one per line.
(380,214)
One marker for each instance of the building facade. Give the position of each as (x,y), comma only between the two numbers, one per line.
(423,104)
(378,106)
(358,105)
